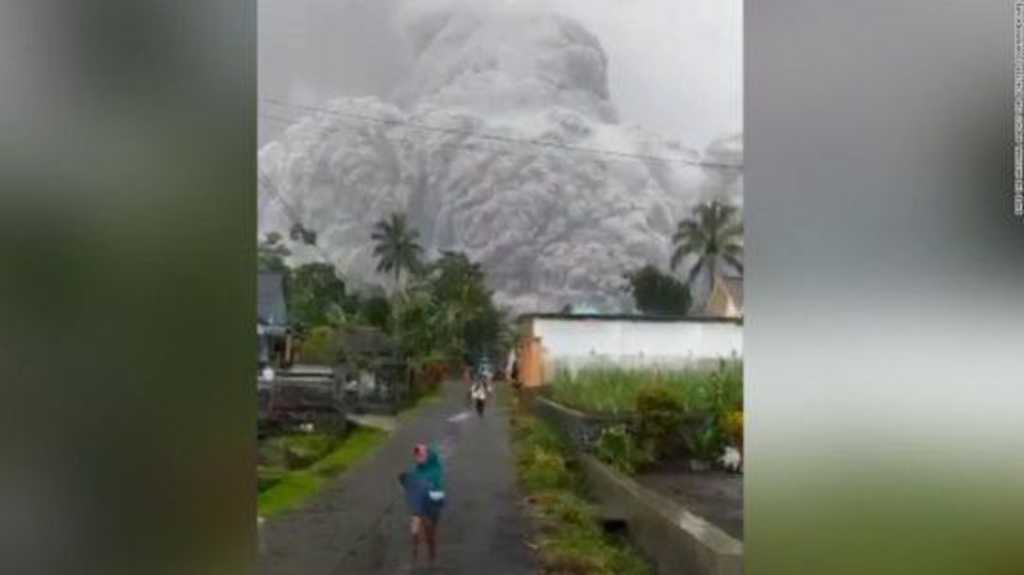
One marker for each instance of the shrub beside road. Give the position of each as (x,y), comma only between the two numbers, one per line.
(569,537)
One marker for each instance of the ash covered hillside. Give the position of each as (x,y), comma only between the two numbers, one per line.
(491,146)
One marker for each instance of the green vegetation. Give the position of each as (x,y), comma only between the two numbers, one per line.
(316,295)
(660,417)
(396,247)
(298,466)
(658,293)
(570,538)
(290,452)
(658,405)
(375,311)
(614,391)
(270,254)
(619,448)
(322,346)
(448,312)
(440,312)
(714,236)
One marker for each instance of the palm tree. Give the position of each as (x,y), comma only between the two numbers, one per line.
(714,235)
(397,246)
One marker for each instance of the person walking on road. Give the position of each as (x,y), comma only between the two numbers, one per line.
(479,394)
(424,493)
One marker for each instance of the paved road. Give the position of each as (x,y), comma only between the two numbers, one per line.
(359,524)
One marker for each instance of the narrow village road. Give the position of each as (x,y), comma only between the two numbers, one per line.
(359,524)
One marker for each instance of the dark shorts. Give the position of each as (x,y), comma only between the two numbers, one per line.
(432,511)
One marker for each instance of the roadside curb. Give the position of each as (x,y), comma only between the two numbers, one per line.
(675,538)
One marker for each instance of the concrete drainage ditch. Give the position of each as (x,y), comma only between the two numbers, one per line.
(672,536)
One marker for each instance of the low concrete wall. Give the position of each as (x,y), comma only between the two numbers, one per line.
(584,429)
(678,541)
(581,429)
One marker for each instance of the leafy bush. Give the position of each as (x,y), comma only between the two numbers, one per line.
(707,443)
(661,400)
(655,292)
(532,434)
(545,470)
(376,311)
(722,391)
(660,417)
(723,395)
(732,428)
(572,540)
(313,290)
(322,346)
(618,448)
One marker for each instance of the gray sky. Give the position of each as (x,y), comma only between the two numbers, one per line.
(675,66)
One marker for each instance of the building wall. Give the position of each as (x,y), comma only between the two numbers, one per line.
(530,356)
(551,344)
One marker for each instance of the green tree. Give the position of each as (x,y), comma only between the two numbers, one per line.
(376,311)
(421,329)
(270,254)
(484,333)
(448,312)
(396,247)
(657,293)
(455,277)
(322,346)
(714,235)
(459,286)
(314,291)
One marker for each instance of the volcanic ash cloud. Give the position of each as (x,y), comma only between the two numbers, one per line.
(491,147)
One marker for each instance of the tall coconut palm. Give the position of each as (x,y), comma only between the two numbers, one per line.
(714,235)
(397,247)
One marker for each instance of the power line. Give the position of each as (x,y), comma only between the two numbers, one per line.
(400,139)
(501,139)
(292,214)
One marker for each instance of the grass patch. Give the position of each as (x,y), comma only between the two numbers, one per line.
(570,538)
(614,390)
(286,490)
(295,451)
(356,446)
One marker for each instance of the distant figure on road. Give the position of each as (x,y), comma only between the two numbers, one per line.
(479,394)
(424,493)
